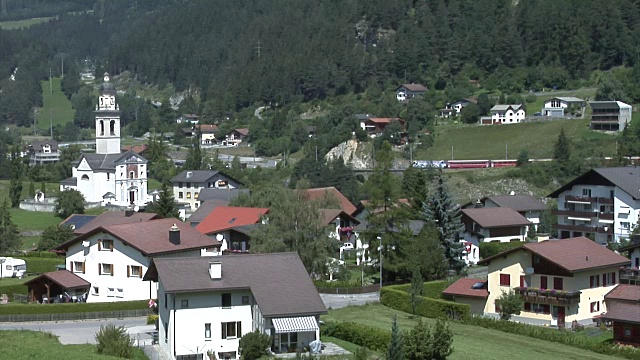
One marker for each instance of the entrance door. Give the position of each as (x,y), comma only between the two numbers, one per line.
(561,315)
(132,196)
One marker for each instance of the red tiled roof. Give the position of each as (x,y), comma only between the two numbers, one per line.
(243,131)
(138,149)
(383,120)
(319,193)
(496,217)
(414,87)
(64,278)
(623,312)
(463,287)
(226,217)
(205,128)
(624,292)
(113,218)
(574,254)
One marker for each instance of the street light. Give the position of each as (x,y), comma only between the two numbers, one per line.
(380,261)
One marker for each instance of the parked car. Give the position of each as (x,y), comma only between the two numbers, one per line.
(346,246)
(538,114)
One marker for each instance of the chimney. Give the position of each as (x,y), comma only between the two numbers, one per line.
(478,204)
(129,212)
(215,270)
(174,235)
(189,174)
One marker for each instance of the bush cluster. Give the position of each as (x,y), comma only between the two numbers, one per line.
(151,319)
(254,345)
(13,289)
(40,254)
(114,340)
(15,309)
(398,299)
(370,337)
(41,265)
(493,248)
(430,289)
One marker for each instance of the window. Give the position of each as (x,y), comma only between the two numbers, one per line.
(85,177)
(245,300)
(188,185)
(627,332)
(95,290)
(120,293)
(105,269)
(557,283)
(105,245)
(180,195)
(134,271)
(188,195)
(180,185)
(594,281)
(111,292)
(207,331)
(195,195)
(231,330)
(609,279)
(78,266)
(543,282)
(541,308)
(166,300)
(527,306)
(184,304)
(586,192)
(210,249)
(505,280)
(226,300)
(625,225)
(595,306)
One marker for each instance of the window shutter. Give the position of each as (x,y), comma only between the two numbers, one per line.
(224,330)
(99,269)
(111,246)
(84,264)
(239,329)
(99,245)
(613,278)
(72,270)
(128,271)
(112,270)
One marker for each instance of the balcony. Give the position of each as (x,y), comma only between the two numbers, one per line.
(605,201)
(586,228)
(576,214)
(581,199)
(630,276)
(606,216)
(548,296)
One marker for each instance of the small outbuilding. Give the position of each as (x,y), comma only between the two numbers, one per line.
(56,286)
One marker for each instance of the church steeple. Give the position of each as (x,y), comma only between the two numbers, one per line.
(107,115)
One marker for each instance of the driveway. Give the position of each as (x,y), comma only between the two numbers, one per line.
(334,301)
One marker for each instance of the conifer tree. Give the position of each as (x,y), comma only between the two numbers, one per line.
(9,238)
(562,149)
(395,349)
(194,157)
(165,206)
(441,210)
(15,187)
(32,190)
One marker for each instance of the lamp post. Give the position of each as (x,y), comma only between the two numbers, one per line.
(380,261)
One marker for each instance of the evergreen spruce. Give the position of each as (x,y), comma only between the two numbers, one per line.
(416,289)
(165,206)
(43,187)
(194,157)
(15,187)
(441,210)
(395,350)
(9,238)
(32,190)
(562,149)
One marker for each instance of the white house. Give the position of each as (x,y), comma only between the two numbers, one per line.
(113,258)
(603,203)
(341,224)
(461,104)
(108,176)
(207,305)
(555,107)
(406,92)
(610,115)
(505,114)
(189,183)
(192,119)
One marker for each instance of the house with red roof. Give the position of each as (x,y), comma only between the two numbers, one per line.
(112,258)
(623,309)
(331,197)
(560,281)
(223,222)
(469,291)
(342,224)
(376,126)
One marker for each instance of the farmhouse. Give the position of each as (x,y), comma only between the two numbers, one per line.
(406,92)
(189,183)
(504,114)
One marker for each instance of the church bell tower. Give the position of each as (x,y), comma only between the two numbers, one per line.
(107,115)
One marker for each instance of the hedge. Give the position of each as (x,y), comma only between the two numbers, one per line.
(559,336)
(40,265)
(493,248)
(370,337)
(42,254)
(431,289)
(13,289)
(15,309)
(398,299)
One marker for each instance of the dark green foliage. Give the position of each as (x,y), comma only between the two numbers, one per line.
(114,340)
(523,157)
(428,307)
(53,236)
(424,343)
(427,254)
(510,303)
(165,205)
(492,248)
(370,337)
(254,345)
(41,265)
(430,289)
(470,114)
(43,186)
(13,289)
(9,238)
(15,187)
(195,159)
(68,308)
(415,290)
(441,341)
(395,350)
(562,148)
(361,353)
(69,202)
(32,190)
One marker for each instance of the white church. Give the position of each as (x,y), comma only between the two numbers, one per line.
(109,176)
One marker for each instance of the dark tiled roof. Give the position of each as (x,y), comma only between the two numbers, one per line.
(413,87)
(328,215)
(625,177)
(64,278)
(247,229)
(624,292)
(76,221)
(199,176)
(226,217)
(73,181)
(623,312)
(152,237)
(242,131)
(496,217)
(279,282)
(114,217)
(574,254)
(207,129)
(605,104)
(205,209)
(464,287)
(107,161)
(37,145)
(518,202)
(220,194)
(320,193)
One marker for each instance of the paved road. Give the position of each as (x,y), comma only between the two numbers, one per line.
(339,301)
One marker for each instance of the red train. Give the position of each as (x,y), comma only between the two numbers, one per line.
(477,164)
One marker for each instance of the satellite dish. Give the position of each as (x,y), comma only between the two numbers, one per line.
(528,271)
(136,208)
(219,237)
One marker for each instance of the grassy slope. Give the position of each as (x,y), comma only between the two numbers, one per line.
(470,342)
(30,220)
(19,24)
(24,345)
(56,103)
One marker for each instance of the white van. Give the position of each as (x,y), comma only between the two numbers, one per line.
(11,268)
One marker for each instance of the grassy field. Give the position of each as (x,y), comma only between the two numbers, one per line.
(15,281)
(56,103)
(30,220)
(470,342)
(23,345)
(498,141)
(19,24)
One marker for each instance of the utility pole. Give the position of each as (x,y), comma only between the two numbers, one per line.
(35,129)
(451,152)
(62,72)
(50,86)
(506,151)
(258,50)
(51,123)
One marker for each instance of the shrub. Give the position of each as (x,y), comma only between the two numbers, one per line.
(493,248)
(531,98)
(432,308)
(40,265)
(254,345)
(13,289)
(510,304)
(114,340)
(361,335)
(151,319)
(14,309)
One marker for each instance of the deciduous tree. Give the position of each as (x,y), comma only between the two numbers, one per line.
(510,304)
(55,235)
(69,202)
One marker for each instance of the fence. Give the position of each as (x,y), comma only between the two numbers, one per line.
(349,290)
(116,314)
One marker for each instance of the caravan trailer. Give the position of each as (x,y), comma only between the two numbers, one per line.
(11,268)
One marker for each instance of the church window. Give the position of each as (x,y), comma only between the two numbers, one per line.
(131,174)
(180,195)
(101,127)
(112,127)
(188,195)
(85,177)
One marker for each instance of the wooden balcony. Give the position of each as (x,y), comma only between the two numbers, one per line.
(574,213)
(581,199)
(546,296)
(630,276)
(606,216)
(586,228)
(605,201)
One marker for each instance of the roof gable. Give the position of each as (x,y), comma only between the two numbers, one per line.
(323,193)
(226,217)
(518,202)
(624,177)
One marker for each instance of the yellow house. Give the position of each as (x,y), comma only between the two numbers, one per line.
(559,280)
